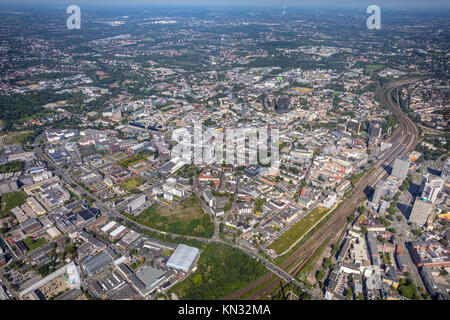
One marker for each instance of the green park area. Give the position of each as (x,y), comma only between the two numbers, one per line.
(132,184)
(10,201)
(221,270)
(188,218)
(370,68)
(134,159)
(298,230)
(13,166)
(34,243)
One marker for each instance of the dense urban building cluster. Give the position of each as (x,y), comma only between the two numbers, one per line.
(99,202)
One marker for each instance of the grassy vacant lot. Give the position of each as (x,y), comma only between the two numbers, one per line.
(118,155)
(34,244)
(187,218)
(297,230)
(373,67)
(355,178)
(132,184)
(258,288)
(134,159)
(221,270)
(10,201)
(17,137)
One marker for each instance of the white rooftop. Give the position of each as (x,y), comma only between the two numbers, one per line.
(117,231)
(183,257)
(105,228)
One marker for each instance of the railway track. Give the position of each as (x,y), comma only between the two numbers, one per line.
(404,140)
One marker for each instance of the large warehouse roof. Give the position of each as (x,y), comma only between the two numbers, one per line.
(108,226)
(151,276)
(97,263)
(183,257)
(117,231)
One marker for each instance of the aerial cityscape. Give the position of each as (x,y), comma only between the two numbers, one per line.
(227,152)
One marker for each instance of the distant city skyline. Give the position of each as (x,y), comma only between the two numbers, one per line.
(241,3)
(179,150)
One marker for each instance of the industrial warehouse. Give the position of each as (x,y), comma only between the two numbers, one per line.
(183,257)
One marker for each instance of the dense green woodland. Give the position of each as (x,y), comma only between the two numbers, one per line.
(14,166)
(21,106)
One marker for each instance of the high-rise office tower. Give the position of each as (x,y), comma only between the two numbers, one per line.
(431,186)
(378,193)
(420,212)
(282,105)
(400,168)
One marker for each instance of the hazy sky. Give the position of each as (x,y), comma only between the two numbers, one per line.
(257,3)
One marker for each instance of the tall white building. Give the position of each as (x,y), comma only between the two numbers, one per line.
(400,168)
(378,193)
(136,203)
(420,212)
(431,188)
